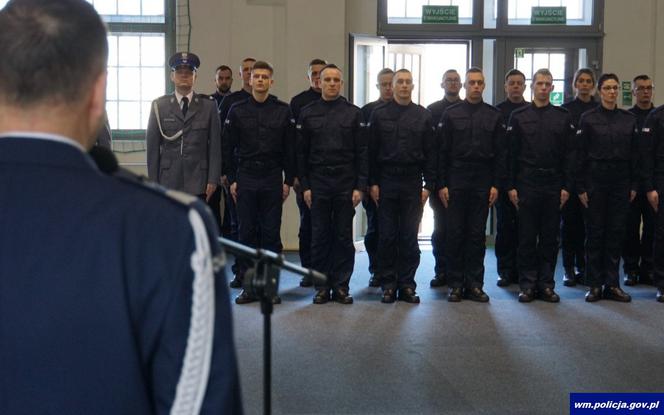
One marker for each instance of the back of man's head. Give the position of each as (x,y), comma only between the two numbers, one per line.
(52,51)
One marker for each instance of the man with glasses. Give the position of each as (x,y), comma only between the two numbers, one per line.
(451,84)
(471,166)
(637,249)
(183,134)
(506,214)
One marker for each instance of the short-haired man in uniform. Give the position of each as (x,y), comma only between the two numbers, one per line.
(384,85)
(332,164)
(652,158)
(451,84)
(230,209)
(572,225)
(110,300)
(223,80)
(261,145)
(298,102)
(402,170)
(183,134)
(637,249)
(471,168)
(541,167)
(506,214)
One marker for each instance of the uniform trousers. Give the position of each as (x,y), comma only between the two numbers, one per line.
(465,241)
(304,233)
(637,248)
(573,234)
(658,247)
(608,204)
(539,221)
(399,216)
(259,206)
(332,248)
(507,232)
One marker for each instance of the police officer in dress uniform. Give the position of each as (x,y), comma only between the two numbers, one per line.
(261,144)
(506,215)
(637,249)
(332,165)
(183,134)
(451,84)
(607,180)
(470,169)
(652,157)
(111,310)
(384,85)
(402,170)
(298,102)
(572,226)
(541,167)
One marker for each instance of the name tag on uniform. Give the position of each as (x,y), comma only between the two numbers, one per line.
(169,119)
(646,130)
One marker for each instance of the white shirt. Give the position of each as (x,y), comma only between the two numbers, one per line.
(179,97)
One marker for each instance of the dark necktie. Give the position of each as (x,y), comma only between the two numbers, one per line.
(185,105)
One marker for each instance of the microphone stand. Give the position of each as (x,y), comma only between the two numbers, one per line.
(263,282)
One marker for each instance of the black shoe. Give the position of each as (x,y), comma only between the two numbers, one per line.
(594,294)
(631,279)
(527,295)
(306,282)
(245,298)
(581,277)
(341,296)
(322,296)
(455,295)
(389,296)
(548,295)
(236,282)
(276,300)
(374,281)
(476,294)
(569,278)
(616,294)
(660,295)
(408,295)
(438,281)
(503,281)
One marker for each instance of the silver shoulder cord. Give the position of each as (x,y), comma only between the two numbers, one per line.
(166,137)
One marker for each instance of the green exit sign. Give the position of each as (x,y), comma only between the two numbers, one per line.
(440,14)
(556,98)
(548,15)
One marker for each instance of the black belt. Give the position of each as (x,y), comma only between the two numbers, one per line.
(258,165)
(402,170)
(332,169)
(538,171)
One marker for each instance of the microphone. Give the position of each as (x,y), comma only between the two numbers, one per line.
(104,159)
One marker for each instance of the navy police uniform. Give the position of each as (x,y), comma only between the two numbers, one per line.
(472,160)
(117,299)
(607,172)
(572,225)
(402,160)
(652,156)
(507,229)
(259,146)
(332,163)
(438,235)
(637,248)
(540,165)
(298,102)
(184,149)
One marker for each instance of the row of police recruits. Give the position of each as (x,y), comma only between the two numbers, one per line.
(393,155)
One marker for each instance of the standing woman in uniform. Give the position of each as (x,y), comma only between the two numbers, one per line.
(606,183)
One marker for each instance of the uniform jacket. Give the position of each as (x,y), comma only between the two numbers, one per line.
(331,134)
(652,150)
(541,147)
(193,160)
(98,293)
(608,144)
(261,135)
(473,150)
